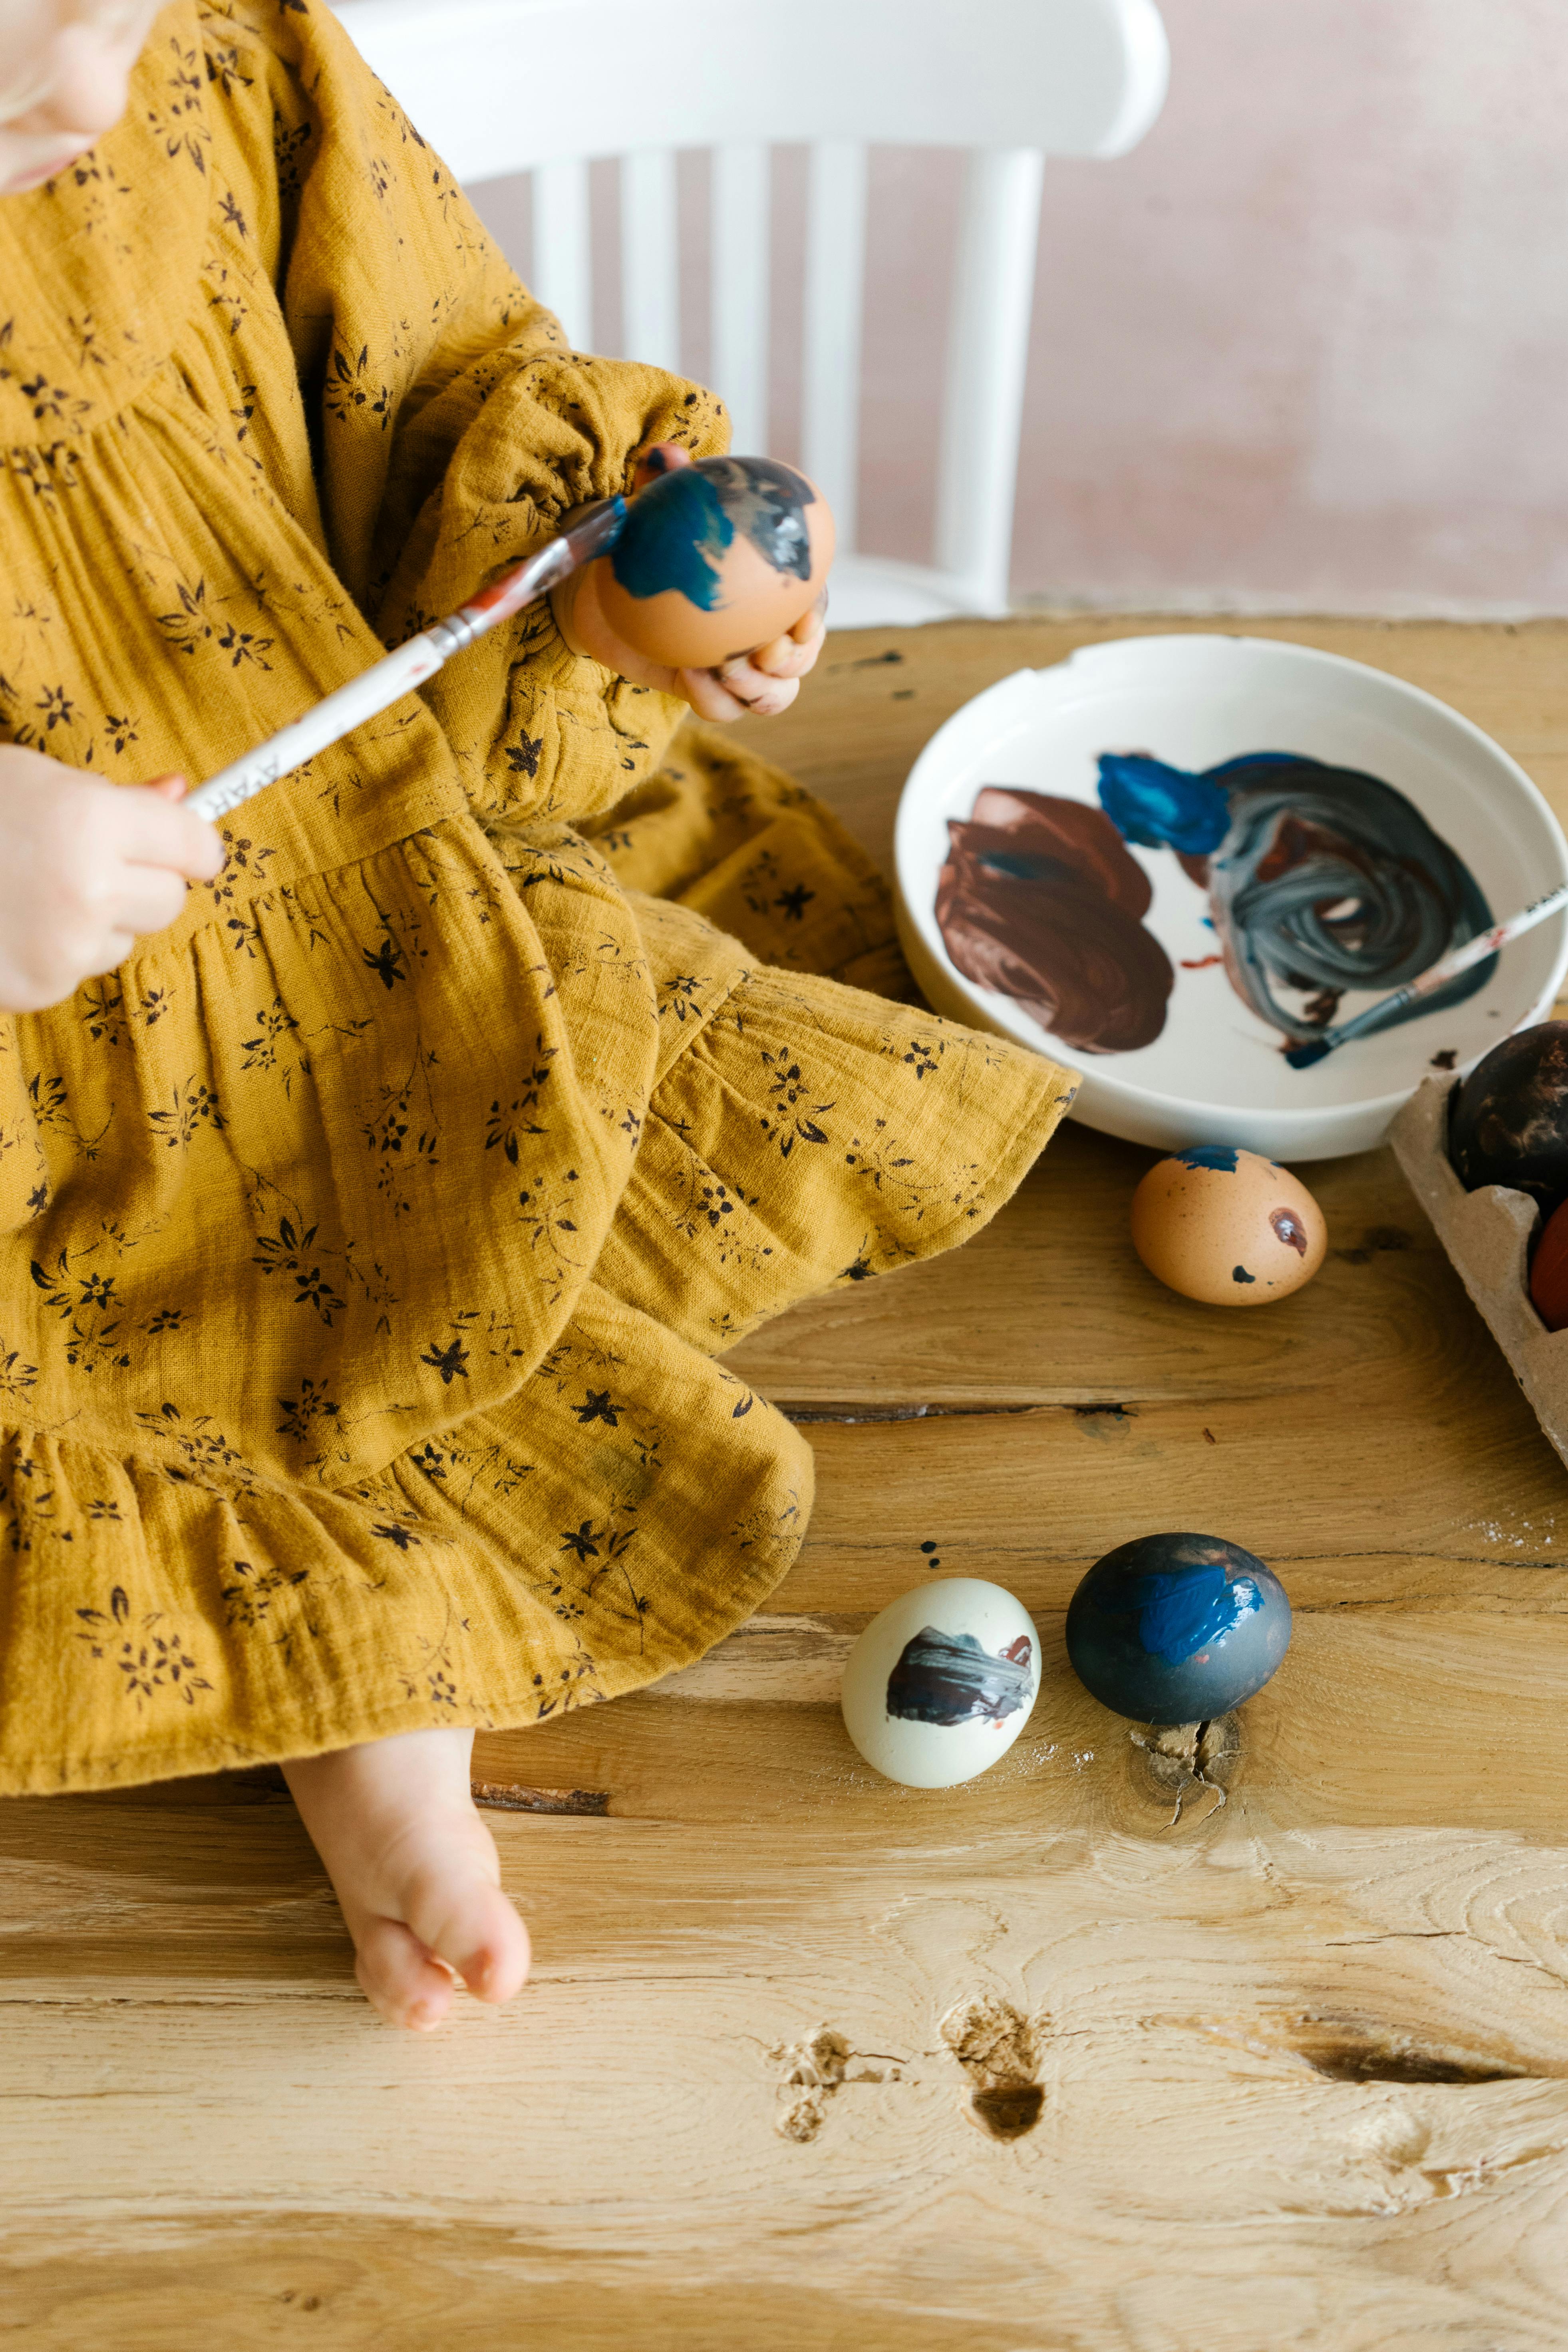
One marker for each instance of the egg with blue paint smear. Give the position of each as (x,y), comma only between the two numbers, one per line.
(1177,1628)
(941,1682)
(716,559)
(1227,1227)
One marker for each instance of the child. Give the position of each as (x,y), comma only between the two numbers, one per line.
(379,1181)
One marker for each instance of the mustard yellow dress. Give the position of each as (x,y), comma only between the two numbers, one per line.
(369,1237)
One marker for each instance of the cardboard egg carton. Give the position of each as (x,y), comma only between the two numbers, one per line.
(1488,1234)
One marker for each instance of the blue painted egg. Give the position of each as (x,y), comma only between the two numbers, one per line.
(715,559)
(1177,1628)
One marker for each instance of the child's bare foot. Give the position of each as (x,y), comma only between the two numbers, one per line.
(415,1872)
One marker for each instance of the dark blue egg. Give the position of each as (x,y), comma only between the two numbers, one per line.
(1176,1629)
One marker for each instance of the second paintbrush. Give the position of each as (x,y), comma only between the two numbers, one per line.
(1476,951)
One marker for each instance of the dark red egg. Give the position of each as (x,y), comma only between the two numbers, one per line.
(1508,1123)
(1549,1272)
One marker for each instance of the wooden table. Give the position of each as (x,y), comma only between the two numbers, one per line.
(1255,2045)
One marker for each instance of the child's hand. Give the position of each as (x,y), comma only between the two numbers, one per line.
(758,685)
(763,682)
(87,868)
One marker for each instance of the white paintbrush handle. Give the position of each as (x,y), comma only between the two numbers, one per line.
(1305,1053)
(1502,935)
(374,690)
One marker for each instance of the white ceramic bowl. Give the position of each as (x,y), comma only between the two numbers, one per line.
(1216,1073)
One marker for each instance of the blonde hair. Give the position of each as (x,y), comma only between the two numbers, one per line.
(111,16)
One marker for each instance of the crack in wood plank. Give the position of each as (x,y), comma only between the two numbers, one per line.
(516,1797)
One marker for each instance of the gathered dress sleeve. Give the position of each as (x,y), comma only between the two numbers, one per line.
(453,427)
(23,1171)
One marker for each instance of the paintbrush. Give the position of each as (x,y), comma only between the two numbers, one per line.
(387,682)
(1476,951)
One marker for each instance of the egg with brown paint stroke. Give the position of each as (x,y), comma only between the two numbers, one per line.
(1227,1227)
(716,559)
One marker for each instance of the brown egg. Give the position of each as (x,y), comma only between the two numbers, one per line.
(1549,1271)
(716,559)
(1227,1227)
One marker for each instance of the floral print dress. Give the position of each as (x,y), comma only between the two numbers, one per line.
(373,1236)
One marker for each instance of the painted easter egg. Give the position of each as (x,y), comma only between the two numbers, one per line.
(1549,1271)
(1227,1227)
(941,1683)
(716,559)
(1177,1628)
(1509,1121)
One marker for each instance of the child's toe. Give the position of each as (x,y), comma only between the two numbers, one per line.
(399,1978)
(496,1965)
(473,1926)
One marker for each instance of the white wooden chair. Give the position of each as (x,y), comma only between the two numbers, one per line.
(550,86)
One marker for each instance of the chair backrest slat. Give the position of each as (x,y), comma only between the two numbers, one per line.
(742,288)
(650,262)
(988,345)
(562,260)
(834,300)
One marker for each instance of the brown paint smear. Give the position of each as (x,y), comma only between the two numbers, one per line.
(1041,900)
(1288,1225)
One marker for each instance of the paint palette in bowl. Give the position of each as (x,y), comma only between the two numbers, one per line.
(1167,860)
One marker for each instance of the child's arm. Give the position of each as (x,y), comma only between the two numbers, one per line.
(453,427)
(86,868)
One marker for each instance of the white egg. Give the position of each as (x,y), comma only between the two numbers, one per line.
(941,1683)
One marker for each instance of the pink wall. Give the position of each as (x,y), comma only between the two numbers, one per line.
(1308,347)
(1311,342)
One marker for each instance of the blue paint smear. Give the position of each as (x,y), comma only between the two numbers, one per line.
(1208,1155)
(677,531)
(675,536)
(1320,879)
(1240,1274)
(1179,1615)
(1160,807)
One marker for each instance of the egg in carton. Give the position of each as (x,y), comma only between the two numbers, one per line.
(1487,1234)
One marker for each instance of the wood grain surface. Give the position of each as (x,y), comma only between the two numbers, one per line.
(1251,2042)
